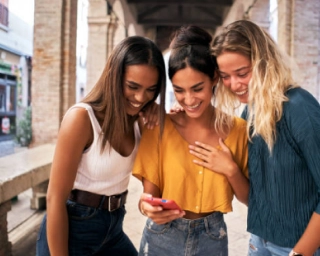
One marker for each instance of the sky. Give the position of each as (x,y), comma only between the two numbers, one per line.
(24,9)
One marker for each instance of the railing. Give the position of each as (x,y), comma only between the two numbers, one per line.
(19,172)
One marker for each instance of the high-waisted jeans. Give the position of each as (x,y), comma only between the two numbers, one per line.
(203,237)
(92,231)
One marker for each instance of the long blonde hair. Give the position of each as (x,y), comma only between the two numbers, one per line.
(271,76)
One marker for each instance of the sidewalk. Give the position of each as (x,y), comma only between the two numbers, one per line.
(23,237)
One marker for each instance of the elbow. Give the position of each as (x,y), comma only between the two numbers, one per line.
(55,201)
(49,201)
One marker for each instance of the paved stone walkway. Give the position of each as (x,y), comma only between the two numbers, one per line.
(24,236)
(6,147)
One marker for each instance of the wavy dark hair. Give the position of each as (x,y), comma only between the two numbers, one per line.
(191,47)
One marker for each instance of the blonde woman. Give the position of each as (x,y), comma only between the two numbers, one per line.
(283,124)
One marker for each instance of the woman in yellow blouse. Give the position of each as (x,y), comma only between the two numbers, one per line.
(168,170)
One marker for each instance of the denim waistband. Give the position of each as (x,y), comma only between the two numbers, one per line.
(187,224)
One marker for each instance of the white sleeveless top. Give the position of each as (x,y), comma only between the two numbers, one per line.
(107,173)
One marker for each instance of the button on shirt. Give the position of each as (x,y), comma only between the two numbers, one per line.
(168,164)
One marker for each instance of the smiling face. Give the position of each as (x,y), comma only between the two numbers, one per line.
(140,85)
(193,91)
(235,72)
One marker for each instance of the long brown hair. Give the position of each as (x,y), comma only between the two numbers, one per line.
(107,95)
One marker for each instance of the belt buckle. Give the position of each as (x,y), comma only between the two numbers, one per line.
(110,209)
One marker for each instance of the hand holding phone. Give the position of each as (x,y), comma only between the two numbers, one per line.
(167,204)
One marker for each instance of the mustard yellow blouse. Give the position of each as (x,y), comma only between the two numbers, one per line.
(168,164)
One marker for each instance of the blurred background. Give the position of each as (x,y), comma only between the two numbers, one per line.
(52,53)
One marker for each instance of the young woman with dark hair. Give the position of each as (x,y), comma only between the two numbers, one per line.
(94,155)
(167,169)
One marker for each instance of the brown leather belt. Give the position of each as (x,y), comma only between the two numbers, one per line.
(111,203)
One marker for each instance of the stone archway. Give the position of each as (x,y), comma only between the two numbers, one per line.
(54,56)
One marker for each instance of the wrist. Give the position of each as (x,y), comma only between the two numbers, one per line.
(233,171)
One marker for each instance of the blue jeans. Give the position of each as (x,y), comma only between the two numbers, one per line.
(204,236)
(92,231)
(261,247)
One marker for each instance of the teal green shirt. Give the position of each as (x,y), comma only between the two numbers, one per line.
(285,186)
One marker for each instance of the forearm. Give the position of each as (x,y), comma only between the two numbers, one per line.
(240,186)
(57,229)
(310,240)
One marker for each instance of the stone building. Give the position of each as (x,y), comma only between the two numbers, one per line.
(294,23)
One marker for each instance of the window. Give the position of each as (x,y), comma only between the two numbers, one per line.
(4,13)
(8,91)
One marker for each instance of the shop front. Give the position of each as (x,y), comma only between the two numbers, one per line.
(8,96)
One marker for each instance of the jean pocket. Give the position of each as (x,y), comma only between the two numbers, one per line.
(157,228)
(80,212)
(217,231)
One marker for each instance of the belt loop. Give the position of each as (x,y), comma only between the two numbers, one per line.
(101,202)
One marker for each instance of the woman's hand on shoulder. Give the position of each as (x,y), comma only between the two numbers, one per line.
(176,108)
(150,117)
(217,160)
(157,213)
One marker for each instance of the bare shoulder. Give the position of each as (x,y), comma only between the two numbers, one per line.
(76,116)
(76,124)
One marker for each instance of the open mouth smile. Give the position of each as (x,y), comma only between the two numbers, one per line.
(135,105)
(193,107)
(241,93)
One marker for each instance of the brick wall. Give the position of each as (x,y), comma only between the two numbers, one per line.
(299,36)
(53,76)
(305,42)
(53,72)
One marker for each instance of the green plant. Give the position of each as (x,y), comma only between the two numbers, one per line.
(24,129)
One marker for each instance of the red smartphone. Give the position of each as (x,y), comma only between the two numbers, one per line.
(165,203)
